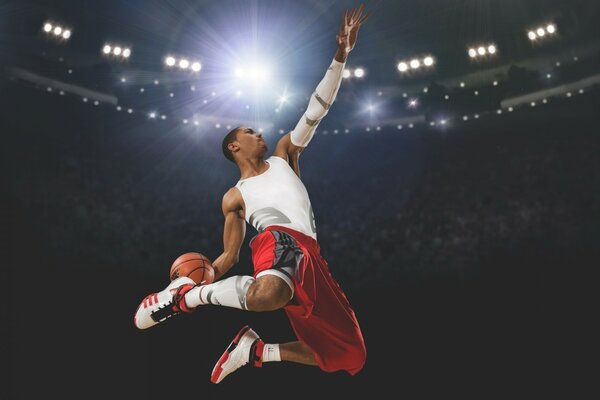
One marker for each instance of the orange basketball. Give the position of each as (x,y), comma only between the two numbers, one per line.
(195,266)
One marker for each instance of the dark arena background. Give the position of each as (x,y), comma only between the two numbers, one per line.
(455,184)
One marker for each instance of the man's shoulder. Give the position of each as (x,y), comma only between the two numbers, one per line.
(232,193)
(232,200)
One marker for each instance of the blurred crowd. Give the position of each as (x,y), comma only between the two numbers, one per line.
(389,204)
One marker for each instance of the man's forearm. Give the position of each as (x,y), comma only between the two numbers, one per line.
(340,55)
(320,102)
(223,263)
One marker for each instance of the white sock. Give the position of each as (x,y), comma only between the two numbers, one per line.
(230,292)
(271,353)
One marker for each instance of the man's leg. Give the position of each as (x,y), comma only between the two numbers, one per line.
(248,348)
(266,293)
(297,352)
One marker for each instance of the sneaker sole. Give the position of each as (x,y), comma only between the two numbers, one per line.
(214,377)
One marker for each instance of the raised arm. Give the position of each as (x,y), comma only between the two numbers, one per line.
(327,89)
(233,233)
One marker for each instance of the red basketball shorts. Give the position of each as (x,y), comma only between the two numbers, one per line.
(319,311)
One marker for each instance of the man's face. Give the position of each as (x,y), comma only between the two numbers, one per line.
(251,143)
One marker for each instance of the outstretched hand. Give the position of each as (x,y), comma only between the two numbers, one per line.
(351,23)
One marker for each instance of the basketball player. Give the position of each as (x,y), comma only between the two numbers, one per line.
(289,271)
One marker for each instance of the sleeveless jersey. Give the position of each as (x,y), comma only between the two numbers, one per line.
(277,197)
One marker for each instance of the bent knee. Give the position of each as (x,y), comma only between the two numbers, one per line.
(269,293)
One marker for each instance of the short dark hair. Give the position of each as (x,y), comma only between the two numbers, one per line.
(229,138)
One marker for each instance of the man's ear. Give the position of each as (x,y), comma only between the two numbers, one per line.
(233,147)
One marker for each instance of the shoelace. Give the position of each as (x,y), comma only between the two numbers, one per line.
(163,312)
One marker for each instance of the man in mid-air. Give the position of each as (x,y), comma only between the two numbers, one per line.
(289,271)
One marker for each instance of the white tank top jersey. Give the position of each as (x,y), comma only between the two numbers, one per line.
(278,197)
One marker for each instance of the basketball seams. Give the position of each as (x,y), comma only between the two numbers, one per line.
(188,260)
(195,261)
(189,275)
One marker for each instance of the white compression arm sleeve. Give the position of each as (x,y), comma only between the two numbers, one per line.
(319,105)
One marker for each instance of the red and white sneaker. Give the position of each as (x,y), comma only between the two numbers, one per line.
(245,348)
(157,307)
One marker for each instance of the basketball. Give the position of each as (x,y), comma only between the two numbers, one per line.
(195,266)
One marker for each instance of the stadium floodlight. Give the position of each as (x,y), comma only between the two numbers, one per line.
(482,50)
(56,31)
(116,51)
(541,31)
(414,64)
(183,63)
(346,74)
(359,72)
